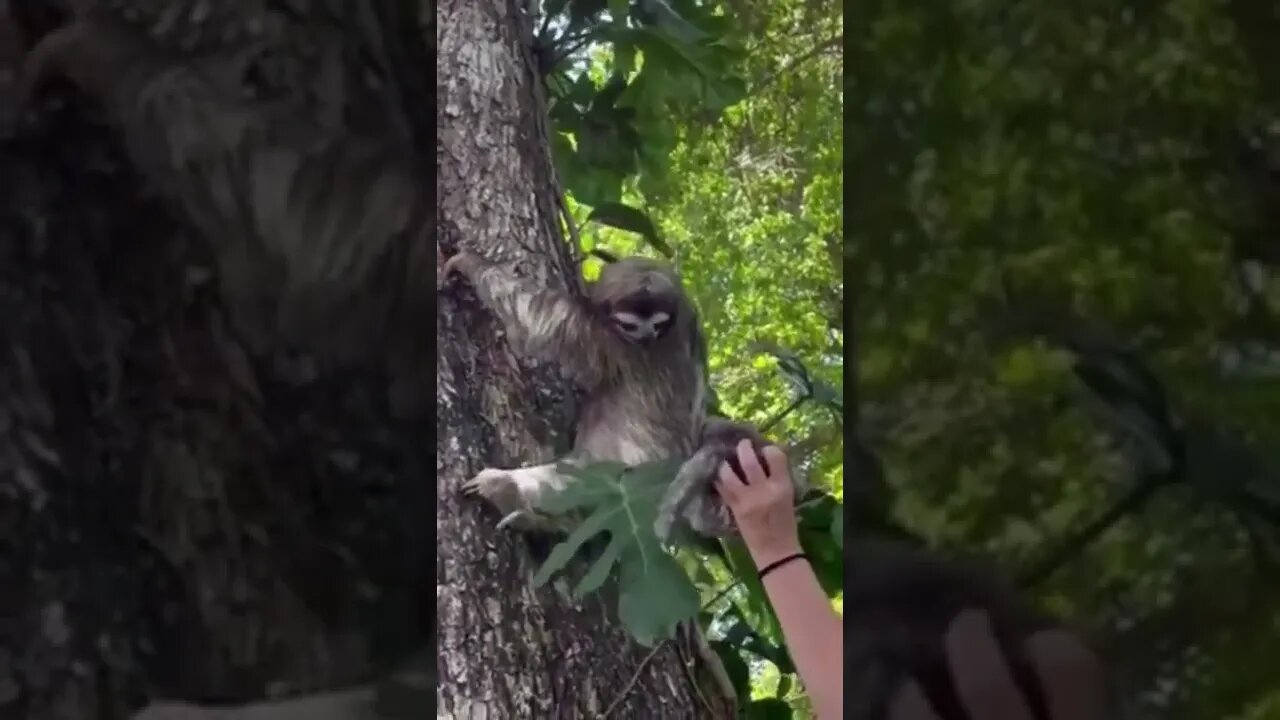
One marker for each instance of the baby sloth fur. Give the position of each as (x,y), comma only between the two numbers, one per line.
(691,502)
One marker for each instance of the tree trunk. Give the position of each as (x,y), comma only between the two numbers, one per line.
(181,516)
(508,650)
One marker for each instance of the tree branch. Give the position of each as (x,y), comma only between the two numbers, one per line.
(1070,548)
(837,41)
(771,422)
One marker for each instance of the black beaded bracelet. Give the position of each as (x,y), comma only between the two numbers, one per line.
(779,563)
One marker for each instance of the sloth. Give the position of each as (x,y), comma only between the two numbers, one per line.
(691,502)
(635,346)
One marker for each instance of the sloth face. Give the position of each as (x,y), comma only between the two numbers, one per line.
(642,298)
(642,325)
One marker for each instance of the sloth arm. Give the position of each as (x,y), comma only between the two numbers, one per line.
(544,323)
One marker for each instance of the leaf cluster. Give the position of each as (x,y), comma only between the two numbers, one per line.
(616,120)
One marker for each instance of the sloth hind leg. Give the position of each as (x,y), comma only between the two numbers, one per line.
(516,493)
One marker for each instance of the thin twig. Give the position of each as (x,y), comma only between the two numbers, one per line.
(785,412)
(1129,504)
(546,23)
(722,593)
(568,51)
(687,663)
(817,50)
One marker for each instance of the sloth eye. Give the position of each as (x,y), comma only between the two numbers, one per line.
(627,322)
(641,327)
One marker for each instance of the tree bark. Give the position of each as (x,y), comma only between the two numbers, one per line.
(508,650)
(180,516)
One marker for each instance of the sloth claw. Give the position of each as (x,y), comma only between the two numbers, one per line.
(516,516)
(488,483)
(501,489)
(462,263)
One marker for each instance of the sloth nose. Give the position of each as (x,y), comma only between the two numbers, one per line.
(645,334)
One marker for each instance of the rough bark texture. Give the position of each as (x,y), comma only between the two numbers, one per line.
(179,516)
(506,649)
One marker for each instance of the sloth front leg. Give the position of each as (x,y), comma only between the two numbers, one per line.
(516,493)
(540,322)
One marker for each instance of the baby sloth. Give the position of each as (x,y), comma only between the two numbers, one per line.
(634,345)
(691,501)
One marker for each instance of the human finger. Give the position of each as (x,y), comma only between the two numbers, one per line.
(910,704)
(728,484)
(776,461)
(751,470)
(981,674)
(1070,675)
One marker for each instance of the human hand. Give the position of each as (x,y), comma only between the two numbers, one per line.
(1070,675)
(762,503)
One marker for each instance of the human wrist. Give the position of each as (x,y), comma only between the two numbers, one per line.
(767,552)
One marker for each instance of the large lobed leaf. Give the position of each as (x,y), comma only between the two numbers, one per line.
(654,594)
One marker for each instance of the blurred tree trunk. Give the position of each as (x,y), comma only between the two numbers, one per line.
(181,515)
(506,649)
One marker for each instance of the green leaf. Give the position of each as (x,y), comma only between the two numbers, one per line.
(819,514)
(622,503)
(654,594)
(744,568)
(664,16)
(828,395)
(625,217)
(618,10)
(607,98)
(837,529)
(702,573)
(768,709)
(784,685)
(673,51)
(735,667)
(624,59)
(599,571)
(584,12)
(741,636)
(762,636)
